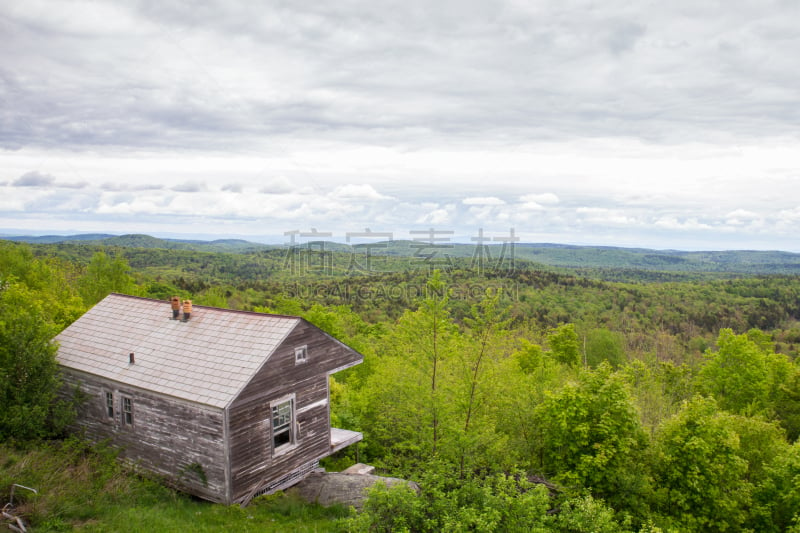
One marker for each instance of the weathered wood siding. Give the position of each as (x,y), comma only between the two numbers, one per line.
(169,436)
(253,461)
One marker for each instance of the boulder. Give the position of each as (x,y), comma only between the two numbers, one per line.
(331,488)
(359,469)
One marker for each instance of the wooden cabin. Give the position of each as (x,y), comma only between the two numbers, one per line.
(227,405)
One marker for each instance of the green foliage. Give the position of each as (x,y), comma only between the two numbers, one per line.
(787,404)
(563,342)
(282,305)
(344,324)
(699,469)
(456,389)
(49,280)
(659,390)
(36,302)
(435,390)
(29,379)
(84,488)
(747,377)
(474,387)
(608,262)
(605,345)
(530,356)
(105,275)
(682,307)
(778,496)
(586,515)
(590,436)
(15,258)
(498,503)
(406,403)
(525,378)
(762,340)
(737,374)
(389,510)
(162,291)
(213,297)
(762,445)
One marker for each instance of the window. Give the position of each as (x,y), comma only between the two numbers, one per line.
(110,404)
(282,423)
(127,411)
(301,354)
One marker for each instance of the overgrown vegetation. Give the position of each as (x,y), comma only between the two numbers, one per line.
(83,488)
(520,399)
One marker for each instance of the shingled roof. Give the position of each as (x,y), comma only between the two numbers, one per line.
(207,359)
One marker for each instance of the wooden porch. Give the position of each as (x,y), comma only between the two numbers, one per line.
(342,438)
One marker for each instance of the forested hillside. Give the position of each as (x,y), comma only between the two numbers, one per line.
(593,261)
(521,397)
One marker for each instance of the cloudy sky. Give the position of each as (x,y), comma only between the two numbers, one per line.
(657,124)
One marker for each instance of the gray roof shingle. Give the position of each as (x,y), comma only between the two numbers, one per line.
(205,360)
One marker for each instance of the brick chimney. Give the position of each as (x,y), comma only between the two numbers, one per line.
(176,307)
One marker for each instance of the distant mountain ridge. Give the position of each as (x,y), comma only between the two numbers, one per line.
(146,241)
(52,239)
(550,254)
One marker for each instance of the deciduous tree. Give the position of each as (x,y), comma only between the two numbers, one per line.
(105,275)
(29,379)
(700,471)
(563,342)
(590,436)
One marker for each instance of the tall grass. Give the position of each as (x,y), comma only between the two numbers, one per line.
(84,488)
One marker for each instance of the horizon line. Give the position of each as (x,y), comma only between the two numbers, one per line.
(271,240)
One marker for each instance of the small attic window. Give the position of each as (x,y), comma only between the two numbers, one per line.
(301,354)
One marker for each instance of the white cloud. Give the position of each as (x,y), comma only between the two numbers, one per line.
(232,187)
(741,217)
(34,179)
(537,202)
(437,217)
(130,204)
(675,118)
(786,221)
(547,198)
(531,206)
(10,201)
(279,185)
(601,215)
(120,186)
(359,192)
(673,223)
(483,214)
(190,186)
(483,200)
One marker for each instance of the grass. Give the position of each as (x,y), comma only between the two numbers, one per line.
(84,488)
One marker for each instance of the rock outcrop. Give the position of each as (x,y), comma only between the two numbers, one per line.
(345,488)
